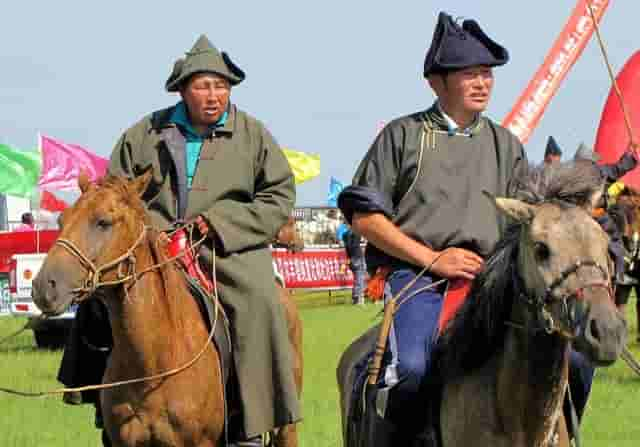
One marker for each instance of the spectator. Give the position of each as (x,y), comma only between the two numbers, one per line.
(355,260)
(27,224)
(553,153)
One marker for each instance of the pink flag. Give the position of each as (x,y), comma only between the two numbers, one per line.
(62,164)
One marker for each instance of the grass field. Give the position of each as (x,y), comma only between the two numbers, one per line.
(610,420)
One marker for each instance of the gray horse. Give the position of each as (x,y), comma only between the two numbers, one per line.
(503,360)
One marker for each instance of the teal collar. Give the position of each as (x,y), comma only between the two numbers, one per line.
(181,118)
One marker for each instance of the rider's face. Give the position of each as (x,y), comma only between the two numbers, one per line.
(465,91)
(206,96)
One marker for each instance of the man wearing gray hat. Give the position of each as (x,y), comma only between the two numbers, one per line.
(219,167)
(417,198)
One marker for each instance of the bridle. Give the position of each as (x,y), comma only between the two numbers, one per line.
(93,280)
(571,317)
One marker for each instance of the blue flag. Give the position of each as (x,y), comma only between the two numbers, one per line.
(335,188)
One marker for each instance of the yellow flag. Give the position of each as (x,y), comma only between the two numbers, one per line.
(304,166)
(615,189)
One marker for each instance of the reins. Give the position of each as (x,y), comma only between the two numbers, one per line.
(94,273)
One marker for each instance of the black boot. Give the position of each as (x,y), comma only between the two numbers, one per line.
(98,421)
(106,442)
(72,397)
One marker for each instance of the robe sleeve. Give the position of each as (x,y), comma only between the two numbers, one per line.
(374,182)
(120,163)
(612,172)
(241,225)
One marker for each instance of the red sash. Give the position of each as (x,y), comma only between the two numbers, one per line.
(177,245)
(454,297)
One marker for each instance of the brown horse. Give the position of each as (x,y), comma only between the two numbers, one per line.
(289,237)
(156,324)
(628,206)
(504,358)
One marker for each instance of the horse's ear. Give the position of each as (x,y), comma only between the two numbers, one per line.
(516,209)
(139,184)
(84,181)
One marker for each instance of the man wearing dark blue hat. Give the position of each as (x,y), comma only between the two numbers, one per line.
(417,198)
(552,153)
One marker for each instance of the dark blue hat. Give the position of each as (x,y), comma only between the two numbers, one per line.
(552,147)
(455,47)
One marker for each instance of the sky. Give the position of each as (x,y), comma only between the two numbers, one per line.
(320,75)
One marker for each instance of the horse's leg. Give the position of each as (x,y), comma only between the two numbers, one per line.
(636,289)
(562,432)
(287,436)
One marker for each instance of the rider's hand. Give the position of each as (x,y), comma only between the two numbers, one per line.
(163,239)
(203,226)
(454,263)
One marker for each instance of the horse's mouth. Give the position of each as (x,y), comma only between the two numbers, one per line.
(50,308)
(49,311)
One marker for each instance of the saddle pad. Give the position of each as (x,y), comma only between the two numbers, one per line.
(222,335)
(454,297)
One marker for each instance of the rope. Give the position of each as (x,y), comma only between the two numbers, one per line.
(603,49)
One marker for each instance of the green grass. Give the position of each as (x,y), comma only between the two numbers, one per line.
(610,419)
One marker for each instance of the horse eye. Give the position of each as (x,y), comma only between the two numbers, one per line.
(103,224)
(541,251)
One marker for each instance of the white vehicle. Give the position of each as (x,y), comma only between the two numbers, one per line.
(50,332)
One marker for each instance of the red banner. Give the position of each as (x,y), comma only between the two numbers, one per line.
(312,269)
(528,110)
(612,139)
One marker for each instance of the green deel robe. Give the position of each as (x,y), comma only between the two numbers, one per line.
(243,186)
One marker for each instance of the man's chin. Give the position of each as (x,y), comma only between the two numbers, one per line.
(477,107)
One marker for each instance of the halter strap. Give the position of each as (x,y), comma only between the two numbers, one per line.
(540,304)
(93,282)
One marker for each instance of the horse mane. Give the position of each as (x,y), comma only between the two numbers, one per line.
(120,185)
(478,330)
(171,275)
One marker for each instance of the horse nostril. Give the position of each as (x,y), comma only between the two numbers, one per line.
(52,283)
(595,333)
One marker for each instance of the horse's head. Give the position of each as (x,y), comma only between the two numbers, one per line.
(96,243)
(288,235)
(566,273)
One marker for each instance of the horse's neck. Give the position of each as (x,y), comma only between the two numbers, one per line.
(148,321)
(531,381)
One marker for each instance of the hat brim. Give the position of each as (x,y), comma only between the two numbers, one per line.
(227,70)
